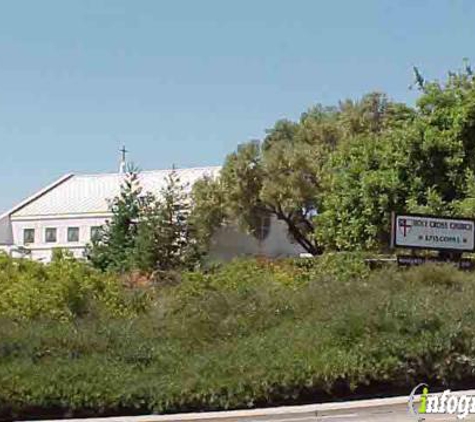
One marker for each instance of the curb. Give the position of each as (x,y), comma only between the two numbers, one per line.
(234,415)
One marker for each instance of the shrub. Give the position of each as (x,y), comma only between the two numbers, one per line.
(343,266)
(243,335)
(62,290)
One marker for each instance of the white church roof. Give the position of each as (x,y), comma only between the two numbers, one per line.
(90,194)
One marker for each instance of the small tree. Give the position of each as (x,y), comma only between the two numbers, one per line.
(147,233)
(111,248)
(165,238)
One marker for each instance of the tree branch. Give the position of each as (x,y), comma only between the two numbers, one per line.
(299,236)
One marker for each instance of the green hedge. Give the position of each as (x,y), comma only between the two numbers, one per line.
(248,333)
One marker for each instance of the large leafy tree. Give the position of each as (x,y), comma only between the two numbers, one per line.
(366,180)
(257,182)
(422,161)
(284,175)
(443,147)
(208,210)
(374,113)
(279,176)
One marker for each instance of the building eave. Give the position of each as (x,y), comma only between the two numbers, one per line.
(36,195)
(34,217)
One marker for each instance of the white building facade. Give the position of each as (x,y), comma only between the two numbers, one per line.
(67,213)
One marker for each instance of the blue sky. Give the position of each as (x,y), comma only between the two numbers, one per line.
(185,81)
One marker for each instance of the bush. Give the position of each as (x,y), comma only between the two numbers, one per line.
(62,290)
(245,334)
(342,266)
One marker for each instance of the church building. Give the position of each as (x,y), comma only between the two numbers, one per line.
(67,213)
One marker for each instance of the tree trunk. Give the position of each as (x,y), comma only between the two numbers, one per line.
(300,237)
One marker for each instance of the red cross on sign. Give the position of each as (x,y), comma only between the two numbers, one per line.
(403,224)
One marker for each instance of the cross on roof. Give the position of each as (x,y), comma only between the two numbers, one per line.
(123,151)
(122,164)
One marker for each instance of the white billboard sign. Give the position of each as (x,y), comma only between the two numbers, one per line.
(427,232)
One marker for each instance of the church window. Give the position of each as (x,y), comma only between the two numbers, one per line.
(28,236)
(73,234)
(95,232)
(50,235)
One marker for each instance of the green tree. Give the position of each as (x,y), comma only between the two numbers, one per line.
(166,239)
(279,177)
(366,180)
(374,113)
(111,248)
(208,210)
(443,146)
(285,175)
(277,180)
(421,161)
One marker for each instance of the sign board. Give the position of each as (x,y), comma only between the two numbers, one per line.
(428,232)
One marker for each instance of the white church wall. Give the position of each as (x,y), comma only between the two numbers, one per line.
(42,250)
(229,243)
(6,235)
